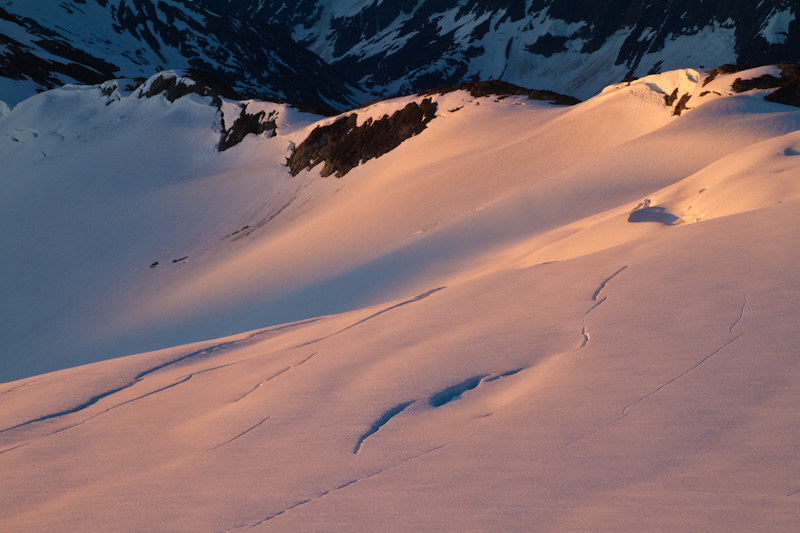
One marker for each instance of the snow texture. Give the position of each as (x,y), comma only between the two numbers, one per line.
(466,333)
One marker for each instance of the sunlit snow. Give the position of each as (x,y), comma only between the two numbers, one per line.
(526,317)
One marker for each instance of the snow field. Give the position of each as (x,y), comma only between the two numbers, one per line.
(481,339)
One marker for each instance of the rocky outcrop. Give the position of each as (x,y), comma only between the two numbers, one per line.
(246,124)
(174,86)
(724,69)
(789,91)
(343,145)
(787,85)
(681,105)
(669,99)
(767,81)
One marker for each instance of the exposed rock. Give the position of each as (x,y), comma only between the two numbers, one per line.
(787,86)
(767,81)
(174,86)
(670,98)
(343,145)
(320,144)
(195,82)
(681,105)
(246,124)
(110,89)
(237,232)
(724,69)
(789,92)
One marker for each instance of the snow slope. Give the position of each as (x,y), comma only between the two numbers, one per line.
(471,332)
(99,193)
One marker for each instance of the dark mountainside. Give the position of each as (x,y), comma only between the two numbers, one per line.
(407,46)
(70,43)
(334,57)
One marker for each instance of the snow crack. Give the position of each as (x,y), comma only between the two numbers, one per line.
(20,386)
(283,371)
(679,376)
(454,392)
(91,401)
(395,306)
(741,311)
(595,294)
(595,306)
(412,300)
(380,422)
(585,338)
(443,397)
(342,486)
(592,432)
(243,433)
(605,282)
(184,380)
(198,353)
(217,367)
(211,350)
(625,411)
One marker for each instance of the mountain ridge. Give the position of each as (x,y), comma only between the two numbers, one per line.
(91,41)
(406,46)
(339,54)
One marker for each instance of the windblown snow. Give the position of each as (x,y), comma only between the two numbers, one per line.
(525,317)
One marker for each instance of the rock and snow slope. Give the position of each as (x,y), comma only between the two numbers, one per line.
(483,336)
(572,46)
(46,44)
(314,51)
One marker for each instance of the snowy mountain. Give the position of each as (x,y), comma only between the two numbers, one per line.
(336,53)
(476,306)
(506,313)
(47,44)
(574,47)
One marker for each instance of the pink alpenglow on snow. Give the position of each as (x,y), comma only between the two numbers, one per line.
(525,316)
